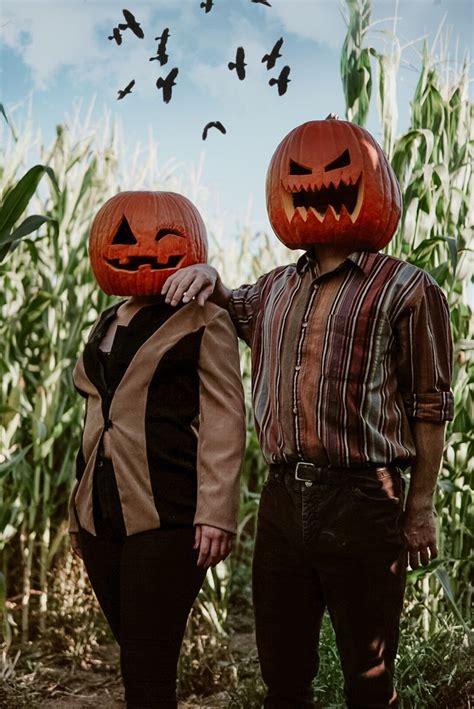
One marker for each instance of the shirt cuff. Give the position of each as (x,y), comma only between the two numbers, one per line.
(435,406)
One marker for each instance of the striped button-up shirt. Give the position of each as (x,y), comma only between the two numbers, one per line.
(341,362)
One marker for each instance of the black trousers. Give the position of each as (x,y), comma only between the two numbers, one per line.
(146,584)
(329,546)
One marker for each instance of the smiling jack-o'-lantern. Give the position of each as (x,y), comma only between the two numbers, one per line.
(138,239)
(330,182)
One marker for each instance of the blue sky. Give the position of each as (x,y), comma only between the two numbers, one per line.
(57,54)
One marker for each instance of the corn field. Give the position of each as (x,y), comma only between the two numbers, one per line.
(49,300)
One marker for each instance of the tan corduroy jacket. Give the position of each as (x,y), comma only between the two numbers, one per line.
(173,407)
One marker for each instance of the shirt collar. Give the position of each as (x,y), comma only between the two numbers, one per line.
(364,260)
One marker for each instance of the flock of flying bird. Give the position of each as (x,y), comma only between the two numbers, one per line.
(166,84)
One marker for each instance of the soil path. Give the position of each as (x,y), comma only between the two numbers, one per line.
(101,687)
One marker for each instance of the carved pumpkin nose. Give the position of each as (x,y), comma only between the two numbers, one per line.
(139,238)
(329,182)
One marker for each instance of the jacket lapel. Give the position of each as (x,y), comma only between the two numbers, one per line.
(92,363)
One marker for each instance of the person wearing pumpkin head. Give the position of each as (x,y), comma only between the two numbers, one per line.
(351,369)
(156,497)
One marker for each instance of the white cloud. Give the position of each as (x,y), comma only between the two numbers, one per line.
(52,36)
(222,84)
(319,20)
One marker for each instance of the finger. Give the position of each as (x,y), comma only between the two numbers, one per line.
(169,286)
(214,556)
(197,537)
(230,545)
(433,550)
(177,286)
(204,295)
(176,291)
(204,547)
(194,288)
(413,556)
(184,289)
(224,550)
(424,557)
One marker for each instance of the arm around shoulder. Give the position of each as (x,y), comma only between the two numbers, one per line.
(200,281)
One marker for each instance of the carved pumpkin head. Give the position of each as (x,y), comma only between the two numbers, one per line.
(138,239)
(330,182)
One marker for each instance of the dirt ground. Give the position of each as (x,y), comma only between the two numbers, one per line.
(51,686)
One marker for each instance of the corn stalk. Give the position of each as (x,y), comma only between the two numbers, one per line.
(433,162)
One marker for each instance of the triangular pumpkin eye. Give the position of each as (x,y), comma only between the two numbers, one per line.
(124,234)
(166,232)
(343,160)
(297,169)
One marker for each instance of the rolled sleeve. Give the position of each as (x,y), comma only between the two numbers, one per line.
(222,427)
(243,307)
(425,363)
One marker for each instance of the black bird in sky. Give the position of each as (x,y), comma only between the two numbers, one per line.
(126,90)
(167,84)
(207,6)
(239,63)
(274,54)
(213,124)
(132,24)
(282,81)
(161,55)
(116,35)
(262,2)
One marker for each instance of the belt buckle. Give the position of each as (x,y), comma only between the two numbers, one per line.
(300,469)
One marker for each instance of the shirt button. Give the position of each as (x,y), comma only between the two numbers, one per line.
(304,324)
(295,410)
(297,368)
(308,484)
(100,463)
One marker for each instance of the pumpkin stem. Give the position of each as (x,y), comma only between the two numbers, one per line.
(332,116)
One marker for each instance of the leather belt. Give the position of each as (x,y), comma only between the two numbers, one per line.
(328,475)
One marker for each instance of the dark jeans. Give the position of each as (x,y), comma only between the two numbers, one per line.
(337,547)
(146,584)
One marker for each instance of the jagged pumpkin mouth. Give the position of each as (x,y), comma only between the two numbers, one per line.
(343,200)
(144,263)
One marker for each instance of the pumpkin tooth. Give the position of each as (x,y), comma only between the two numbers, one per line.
(124,261)
(344,213)
(336,215)
(315,213)
(303,212)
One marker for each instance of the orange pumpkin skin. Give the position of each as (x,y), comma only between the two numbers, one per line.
(138,239)
(329,182)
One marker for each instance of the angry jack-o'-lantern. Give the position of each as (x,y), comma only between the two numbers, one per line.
(138,239)
(329,182)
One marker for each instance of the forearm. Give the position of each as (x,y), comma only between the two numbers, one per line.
(429,443)
(221,294)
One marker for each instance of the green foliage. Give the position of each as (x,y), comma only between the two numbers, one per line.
(355,66)
(433,161)
(15,202)
(49,300)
